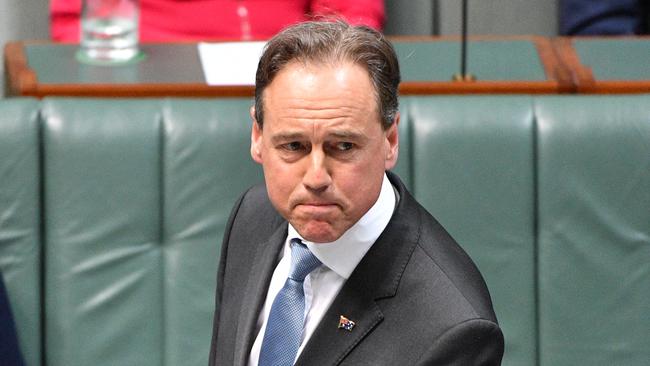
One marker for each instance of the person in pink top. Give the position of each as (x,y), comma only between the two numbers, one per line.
(194,20)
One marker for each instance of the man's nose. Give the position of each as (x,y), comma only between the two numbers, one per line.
(317,177)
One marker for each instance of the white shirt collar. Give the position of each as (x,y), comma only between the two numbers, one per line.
(343,255)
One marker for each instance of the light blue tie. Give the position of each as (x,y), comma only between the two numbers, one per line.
(284,327)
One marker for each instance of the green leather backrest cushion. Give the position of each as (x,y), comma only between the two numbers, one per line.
(473,169)
(20,247)
(594,230)
(208,167)
(137,197)
(137,194)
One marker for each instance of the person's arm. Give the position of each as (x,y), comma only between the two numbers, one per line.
(476,342)
(366,12)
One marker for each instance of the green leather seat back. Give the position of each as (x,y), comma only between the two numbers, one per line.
(594,230)
(103,261)
(122,204)
(208,166)
(20,247)
(137,195)
(473,170)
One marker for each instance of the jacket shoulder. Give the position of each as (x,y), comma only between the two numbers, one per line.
(455,266)
(255,218)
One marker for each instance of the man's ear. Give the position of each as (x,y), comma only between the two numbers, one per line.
(392,143)
(256,138)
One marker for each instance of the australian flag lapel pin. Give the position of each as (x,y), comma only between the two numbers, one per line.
(345,323)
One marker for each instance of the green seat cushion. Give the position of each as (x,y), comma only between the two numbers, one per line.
(473,170)
(20,247)
(594,230)
(137,198)
(207,166)
(104,298)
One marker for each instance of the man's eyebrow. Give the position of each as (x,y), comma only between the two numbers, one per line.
(347,135)
(286,136)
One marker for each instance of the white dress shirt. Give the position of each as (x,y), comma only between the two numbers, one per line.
(338,258)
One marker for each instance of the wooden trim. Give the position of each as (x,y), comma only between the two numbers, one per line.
(478,87)
(581,75)
(618,87)
(20,79)
(553,67)
(143,90)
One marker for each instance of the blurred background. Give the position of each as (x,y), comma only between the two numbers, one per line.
(29,19)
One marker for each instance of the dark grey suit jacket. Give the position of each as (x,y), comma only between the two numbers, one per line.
(416,297)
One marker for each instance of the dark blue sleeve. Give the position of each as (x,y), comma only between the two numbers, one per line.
(603,17)
(9,350)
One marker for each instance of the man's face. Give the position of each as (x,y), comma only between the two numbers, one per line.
(322,147)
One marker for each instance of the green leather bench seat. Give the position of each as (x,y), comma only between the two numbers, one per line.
(473,167)
(208,165)
(103,252)
(594,230)
(137,196)
(112,212)
(20,242)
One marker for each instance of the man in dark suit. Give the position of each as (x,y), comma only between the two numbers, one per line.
(332,261)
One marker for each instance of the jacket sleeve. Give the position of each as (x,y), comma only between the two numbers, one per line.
(475,342)
(366,12)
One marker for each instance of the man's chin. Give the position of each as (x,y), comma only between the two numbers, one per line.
(318,232)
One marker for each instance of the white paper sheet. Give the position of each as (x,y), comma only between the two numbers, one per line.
(230,63)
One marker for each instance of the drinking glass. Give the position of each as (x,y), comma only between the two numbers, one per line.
(109,31)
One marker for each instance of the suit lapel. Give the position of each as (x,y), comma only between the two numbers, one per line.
(376,277)
(255,293)
(329,344)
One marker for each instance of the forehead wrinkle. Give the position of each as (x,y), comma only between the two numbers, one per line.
(304,100)
(339,98)
(311,97)
(309,111)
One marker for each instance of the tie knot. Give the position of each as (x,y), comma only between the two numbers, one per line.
(302,261)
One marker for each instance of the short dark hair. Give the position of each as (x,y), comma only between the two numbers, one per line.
(331,43)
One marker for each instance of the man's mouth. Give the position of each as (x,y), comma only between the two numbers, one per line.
(317,207)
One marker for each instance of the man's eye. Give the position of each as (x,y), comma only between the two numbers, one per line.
(344,146)
(292,146)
